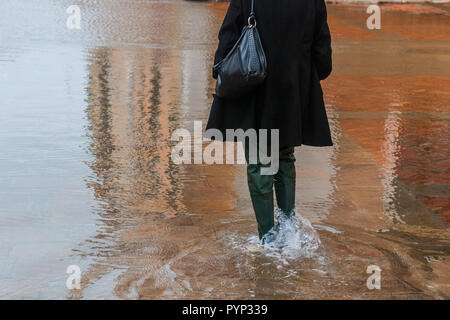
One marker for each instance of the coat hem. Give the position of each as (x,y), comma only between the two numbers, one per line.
(295,144)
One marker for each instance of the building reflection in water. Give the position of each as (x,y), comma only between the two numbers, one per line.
(136,97)
(129,136)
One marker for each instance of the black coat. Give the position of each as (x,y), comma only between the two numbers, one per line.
(297,43)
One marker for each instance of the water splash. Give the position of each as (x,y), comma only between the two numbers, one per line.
(295,238)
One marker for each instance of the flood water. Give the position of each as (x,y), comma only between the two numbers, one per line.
(86,177)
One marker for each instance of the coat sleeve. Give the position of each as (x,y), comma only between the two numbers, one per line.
(321,47)
(229,31)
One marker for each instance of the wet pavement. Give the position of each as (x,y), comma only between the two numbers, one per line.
(86,177)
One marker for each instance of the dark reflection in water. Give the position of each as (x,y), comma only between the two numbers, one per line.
(100,118)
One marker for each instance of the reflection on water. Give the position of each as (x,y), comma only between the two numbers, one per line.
(87,177)
(392,128)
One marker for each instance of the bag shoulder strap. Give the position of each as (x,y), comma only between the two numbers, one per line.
(252,16)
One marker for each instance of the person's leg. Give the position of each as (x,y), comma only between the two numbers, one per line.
(285,181)
(261,193)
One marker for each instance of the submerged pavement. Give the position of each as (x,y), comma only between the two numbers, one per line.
(87,180)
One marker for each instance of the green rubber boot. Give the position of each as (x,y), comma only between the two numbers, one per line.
(284,181)
(261,190)
(261,193)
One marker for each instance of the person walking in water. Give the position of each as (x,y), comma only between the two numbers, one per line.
(297,45)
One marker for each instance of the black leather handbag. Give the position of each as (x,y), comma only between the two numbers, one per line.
(245,66)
